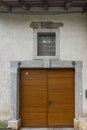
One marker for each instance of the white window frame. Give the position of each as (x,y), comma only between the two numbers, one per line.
(35,44)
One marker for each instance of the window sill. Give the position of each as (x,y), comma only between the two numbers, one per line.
(46,57)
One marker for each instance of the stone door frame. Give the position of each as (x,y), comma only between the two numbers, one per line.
(15,67)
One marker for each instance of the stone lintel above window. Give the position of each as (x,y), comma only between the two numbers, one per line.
(45,25)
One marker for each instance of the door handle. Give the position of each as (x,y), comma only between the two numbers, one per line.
(49,103)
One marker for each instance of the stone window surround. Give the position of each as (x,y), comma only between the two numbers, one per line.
(15,122)
(57,42)
(46,26)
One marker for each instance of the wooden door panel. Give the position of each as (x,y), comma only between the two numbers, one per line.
(34,110)
(33,98)
(34,89)
(60,108)
(60,81)
(56,73)
(34,119)
(61,94)
(67,121)
(33,74)
(34,82)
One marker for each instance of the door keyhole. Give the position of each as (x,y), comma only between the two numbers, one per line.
(49,103)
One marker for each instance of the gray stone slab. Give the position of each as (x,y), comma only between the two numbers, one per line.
(46,63)
(61,64)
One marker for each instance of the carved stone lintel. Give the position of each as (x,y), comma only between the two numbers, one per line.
(45,25)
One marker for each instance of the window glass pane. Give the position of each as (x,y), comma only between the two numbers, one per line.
(46,44)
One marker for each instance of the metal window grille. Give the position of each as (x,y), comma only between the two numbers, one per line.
(46,44)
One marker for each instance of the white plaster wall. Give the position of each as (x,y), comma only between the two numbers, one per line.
(16,43)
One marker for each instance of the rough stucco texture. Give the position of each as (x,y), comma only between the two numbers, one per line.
(16,43)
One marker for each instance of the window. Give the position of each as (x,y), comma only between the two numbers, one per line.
(46,44)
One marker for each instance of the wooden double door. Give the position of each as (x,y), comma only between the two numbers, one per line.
(47,97)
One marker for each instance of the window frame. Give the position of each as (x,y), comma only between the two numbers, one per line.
(57,44)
